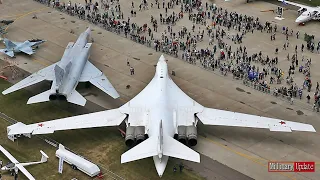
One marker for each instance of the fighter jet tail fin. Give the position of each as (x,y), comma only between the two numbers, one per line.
(76,98)
(58,72)
(42,97)
(9,44)
(9,53)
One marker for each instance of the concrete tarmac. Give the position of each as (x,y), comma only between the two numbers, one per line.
(245,150)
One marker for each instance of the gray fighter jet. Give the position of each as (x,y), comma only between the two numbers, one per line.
(25,47)
(3,24)
(65,75)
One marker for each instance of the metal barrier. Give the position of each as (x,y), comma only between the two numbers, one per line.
(263,89)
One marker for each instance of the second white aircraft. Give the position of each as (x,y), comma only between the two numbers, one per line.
(161,121)
(306,13)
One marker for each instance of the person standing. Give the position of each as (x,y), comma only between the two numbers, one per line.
(131,70)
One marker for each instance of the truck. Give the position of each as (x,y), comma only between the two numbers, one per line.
(77,162)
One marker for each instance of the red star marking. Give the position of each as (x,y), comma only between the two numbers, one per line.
(40,125)
(282,122)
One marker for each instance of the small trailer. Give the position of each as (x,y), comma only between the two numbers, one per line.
(77,162)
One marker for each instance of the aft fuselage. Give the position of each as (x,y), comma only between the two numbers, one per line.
(78,57)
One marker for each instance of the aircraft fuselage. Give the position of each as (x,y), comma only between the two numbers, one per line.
(73,63)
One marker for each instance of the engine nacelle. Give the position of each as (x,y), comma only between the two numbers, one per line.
(129,139)
(192,135)
(139,134)
(182,137)
(61,97)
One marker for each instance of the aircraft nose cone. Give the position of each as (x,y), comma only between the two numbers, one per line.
(88,30)
(299,20)
(160,166)
(162,58)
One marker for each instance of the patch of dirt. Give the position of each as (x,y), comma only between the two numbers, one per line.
(290,108)
(73,21)
(248,92)
(272,102)
(240,90)
(299,112)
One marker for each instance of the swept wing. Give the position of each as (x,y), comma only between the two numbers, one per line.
(227,118)
(25,172)
(44,74)
(97,78)
(99,119)
(26,49)
(9,156)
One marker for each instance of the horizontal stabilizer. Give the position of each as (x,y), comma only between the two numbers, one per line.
(42,97)
(44,156)
(174,148)
(147,148)
(76,98)
(9,53)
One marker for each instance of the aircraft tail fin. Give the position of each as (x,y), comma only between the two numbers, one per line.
(9,44)
(42,97)
(76,98)
(9,53)
(59,72)
(163,145)
(44,157)
(146,148)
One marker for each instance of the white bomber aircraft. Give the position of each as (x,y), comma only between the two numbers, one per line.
(65,75)
(16,166)
(158,118)
(306,13)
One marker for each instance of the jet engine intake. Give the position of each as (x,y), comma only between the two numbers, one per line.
(129,139)
(191,133)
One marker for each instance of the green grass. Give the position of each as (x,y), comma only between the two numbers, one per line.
(102,145)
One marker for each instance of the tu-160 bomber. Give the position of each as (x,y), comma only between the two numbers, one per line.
(160,122)
(15,166)
(25,47)
(65,75)
(306,13)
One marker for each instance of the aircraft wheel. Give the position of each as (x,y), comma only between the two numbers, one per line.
(74,167)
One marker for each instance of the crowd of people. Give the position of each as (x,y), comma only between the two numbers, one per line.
(219,26)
